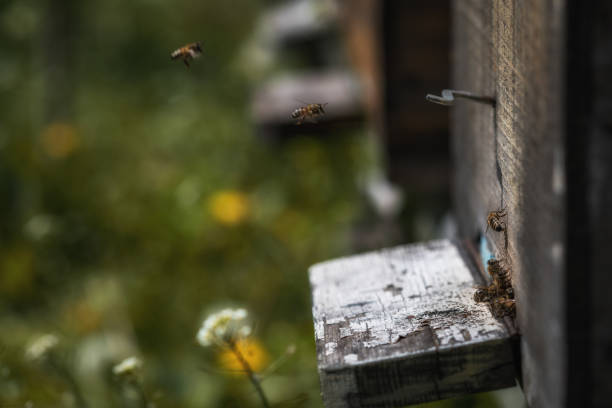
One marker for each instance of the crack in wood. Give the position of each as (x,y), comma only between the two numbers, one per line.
(424,343)
(393,289)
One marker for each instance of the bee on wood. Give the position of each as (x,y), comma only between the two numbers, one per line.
(501,275)
(504,307)
(485,293)
(310,111)
(494,220)
(493,266)
(188,52)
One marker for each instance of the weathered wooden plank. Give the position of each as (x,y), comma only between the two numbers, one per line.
(512,156)
(400,326)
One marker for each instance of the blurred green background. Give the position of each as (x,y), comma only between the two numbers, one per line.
(136,199)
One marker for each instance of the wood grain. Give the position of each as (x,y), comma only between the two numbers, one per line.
(400,326)
(512,156)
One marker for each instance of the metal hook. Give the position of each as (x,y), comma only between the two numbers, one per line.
(449,95)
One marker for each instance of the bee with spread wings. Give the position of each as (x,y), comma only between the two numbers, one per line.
(310,111)
(188,52)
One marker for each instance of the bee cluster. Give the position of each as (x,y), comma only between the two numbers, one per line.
(499,294)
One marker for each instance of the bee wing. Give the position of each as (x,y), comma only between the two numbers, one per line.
(196,46)
(175,54)
(194,53)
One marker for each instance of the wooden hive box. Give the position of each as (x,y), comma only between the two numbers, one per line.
(543,152)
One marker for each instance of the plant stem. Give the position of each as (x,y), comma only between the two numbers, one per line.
(249,371)
(143,396)
(62,370)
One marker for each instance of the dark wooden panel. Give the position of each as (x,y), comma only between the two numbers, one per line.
(600,194)
(512,156)
(416,39)
(589,188)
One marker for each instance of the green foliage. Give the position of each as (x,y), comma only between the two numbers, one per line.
(108,232)
(136,199)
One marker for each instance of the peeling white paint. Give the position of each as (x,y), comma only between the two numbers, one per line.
(350,358)
(330,348)
(376,299)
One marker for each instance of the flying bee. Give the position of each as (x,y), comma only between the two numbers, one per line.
(494,220)
(504,307)
(485,293)
(310,111)
(188,52)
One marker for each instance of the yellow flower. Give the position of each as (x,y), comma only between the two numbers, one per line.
(251,350)
(59,140)
(228,207)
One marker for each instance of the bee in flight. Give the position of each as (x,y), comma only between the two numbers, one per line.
(188,52)
(310,111)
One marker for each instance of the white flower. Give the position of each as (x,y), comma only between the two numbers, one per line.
(128,366)
(244,331)
(223,327)
(40,347)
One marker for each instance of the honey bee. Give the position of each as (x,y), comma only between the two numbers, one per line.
(188,52)
(493,266)
(485,293)
(501,275)
(309,111)
(494,220)
(504,307)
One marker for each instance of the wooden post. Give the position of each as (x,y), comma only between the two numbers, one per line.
(544,154)
(512,157)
